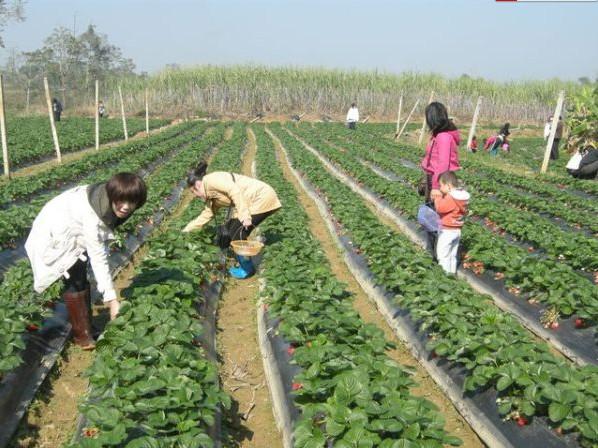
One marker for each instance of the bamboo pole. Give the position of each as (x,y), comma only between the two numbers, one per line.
(408,118)
(366,120)
(5,158)
(52,124)
(421,133)
(146,114)
(122,113)
(97,114)
(553,126)
(474,122)
(399,116)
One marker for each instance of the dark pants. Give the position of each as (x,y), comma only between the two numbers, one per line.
(554,151)
(351,125)
(56,116)
(238,232)
(589,171)
(77,280)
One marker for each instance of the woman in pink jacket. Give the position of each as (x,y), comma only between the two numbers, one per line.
(442,151)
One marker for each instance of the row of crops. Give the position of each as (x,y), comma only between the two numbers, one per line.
(29,139)
(461,326)
(154,384)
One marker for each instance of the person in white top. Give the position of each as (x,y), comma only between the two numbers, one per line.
(75,226)
(352,116)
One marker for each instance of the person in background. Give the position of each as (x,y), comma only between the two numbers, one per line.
(441,155)
(547,128)
(101,109)
(452,208)
(352,116)
(252,199)
(56,109)
(584,164)
(554,151)
(70,229)
(473,146)
(489,142)
(501,139)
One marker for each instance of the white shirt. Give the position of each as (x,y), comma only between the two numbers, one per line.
(66,227)
(546,130)
(353,115)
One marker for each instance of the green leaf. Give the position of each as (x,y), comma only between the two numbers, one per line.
(558,411)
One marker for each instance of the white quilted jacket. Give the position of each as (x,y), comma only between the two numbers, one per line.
(66,227)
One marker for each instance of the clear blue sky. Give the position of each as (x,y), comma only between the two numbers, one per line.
(501,41)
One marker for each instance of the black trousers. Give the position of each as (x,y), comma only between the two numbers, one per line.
(351,125)
(238,232)
(554,151)
(77,280)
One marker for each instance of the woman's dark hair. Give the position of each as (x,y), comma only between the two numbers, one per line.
(197,174)
(127,187)
(353,104)
(505,129)
(437,118)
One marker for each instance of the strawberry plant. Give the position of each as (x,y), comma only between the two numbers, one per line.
(349,392)
(462,327)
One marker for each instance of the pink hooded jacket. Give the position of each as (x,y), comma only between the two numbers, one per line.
(442,154)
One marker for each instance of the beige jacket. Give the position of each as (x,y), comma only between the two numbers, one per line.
(247,195)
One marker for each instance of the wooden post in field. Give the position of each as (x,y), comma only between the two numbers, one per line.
(97,114)
(474,122)
(366,120)
(52,124)
(421,134)
(122,113)
(5,158)
(553,126)
(407,120)
(146,114)
(399,116)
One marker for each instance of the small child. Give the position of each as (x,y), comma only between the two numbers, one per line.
(473,146)
(451,207)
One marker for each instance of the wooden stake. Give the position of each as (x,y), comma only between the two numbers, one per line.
(407,120)
(399,116)
(366,120)
(97,114)
(122,113)
(474,122)
(553,126)
(5,158)
(421,133)
(146,114)
(52,124)
(255,119)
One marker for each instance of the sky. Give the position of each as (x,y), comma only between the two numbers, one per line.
(496,40)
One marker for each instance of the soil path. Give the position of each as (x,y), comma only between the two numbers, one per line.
(367,310)
(250,422)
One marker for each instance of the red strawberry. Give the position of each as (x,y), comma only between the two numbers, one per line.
(522,421)
(297,386)
(32,327)
(554,325)
(291,350)
(579,323)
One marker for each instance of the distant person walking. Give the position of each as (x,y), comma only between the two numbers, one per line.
(56,109)
(101,109)
(352,116)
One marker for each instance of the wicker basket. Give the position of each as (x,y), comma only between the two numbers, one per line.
(246,248)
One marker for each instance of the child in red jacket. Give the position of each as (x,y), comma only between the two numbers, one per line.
(452,208)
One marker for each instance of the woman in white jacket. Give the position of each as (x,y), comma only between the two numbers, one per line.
(75,226)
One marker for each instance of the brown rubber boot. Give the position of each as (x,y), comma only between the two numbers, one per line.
(76,304)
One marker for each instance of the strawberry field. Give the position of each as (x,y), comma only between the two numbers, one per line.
(364,340)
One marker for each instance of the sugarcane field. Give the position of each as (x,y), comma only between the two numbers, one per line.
(314,224)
